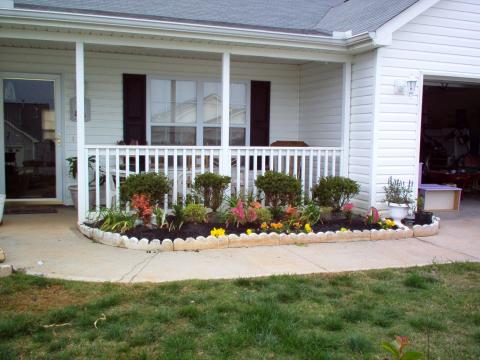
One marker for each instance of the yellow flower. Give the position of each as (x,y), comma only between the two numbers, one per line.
(264,226)
(308,228)
(249,231)
(344,229)
(389,223)
(217,232)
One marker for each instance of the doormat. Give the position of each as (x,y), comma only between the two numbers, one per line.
(32,209)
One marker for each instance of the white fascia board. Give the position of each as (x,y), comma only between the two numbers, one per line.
(383,35)
(88,22)
(174,44)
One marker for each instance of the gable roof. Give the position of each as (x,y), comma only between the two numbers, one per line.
(321,17)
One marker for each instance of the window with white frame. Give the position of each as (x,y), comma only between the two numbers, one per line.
(189,112)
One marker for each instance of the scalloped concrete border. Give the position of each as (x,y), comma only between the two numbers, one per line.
(262,239)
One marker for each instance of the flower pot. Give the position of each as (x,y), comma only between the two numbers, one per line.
(398,212)
(423,218)
(2,205)
(74,193)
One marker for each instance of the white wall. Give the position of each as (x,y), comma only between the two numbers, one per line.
(103,74)
(321,101)
(445,41)
(361,124)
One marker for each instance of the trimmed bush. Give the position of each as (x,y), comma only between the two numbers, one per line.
(195,213)
(153,185)
(279,189)
(211,188)
(334,191)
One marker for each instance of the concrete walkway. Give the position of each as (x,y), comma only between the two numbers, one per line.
(49,244)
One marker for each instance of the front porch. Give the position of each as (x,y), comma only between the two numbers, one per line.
(307,133)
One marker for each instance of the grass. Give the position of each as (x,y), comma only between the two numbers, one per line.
(343,316)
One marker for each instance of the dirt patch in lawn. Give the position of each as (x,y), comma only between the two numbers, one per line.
(38,300)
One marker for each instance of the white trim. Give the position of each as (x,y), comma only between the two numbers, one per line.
(383,35)
(225,167)
(347,85)
(82,166)
(419,134)
(375,120)
(59,148)
(337,53)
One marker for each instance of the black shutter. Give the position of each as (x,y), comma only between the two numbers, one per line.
(260,113)
(134,109)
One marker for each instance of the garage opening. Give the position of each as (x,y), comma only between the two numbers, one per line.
(450,142)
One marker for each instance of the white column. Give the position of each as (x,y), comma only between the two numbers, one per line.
(82,177)
(225,162)
(347,83)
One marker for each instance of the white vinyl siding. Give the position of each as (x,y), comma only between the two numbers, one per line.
(103,74)
(361,124)
(321,99)
(443,41)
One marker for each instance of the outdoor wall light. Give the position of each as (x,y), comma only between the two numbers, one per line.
(411,85)
(406,87)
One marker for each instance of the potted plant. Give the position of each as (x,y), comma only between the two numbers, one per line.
(72,171)
(422,217)
(398,196)
(2,205)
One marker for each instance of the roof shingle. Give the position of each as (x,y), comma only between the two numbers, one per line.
(304,16)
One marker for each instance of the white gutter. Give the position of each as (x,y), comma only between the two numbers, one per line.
(91,22)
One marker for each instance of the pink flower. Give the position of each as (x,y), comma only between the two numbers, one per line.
(238,212)
(348,207)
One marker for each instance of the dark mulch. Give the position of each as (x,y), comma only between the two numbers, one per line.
(194,230)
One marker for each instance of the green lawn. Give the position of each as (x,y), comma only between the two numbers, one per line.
(343,316)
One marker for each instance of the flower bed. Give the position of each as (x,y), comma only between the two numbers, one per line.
(254,239)
(278,215)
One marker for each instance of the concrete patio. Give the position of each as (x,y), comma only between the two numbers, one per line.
(50,245)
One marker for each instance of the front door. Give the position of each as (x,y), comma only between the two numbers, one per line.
(30,141)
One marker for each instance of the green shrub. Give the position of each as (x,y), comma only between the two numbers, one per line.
(279,189)
(313,214)
(334,191)
(154,185)
(211,188)
(264,215)
(195,213)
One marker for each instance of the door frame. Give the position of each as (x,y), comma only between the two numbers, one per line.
(425,75)
(59,149)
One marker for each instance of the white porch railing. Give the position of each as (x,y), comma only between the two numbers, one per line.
(181,164)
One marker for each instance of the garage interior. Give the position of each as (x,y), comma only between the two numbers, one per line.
(450,141)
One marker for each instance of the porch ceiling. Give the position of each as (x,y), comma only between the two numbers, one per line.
(136,50)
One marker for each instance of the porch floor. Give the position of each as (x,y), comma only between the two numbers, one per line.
(50,245)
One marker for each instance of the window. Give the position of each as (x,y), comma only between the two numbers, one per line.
(185,112)
(173,116)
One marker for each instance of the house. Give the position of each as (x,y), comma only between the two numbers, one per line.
(192,87)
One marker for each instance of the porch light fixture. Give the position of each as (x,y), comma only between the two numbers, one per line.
(404,87)
(411,85)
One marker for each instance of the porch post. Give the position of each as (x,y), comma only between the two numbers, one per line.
(82,178)
(225,162)
(347,82)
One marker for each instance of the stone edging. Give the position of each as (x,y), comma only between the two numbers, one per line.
(262,239)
